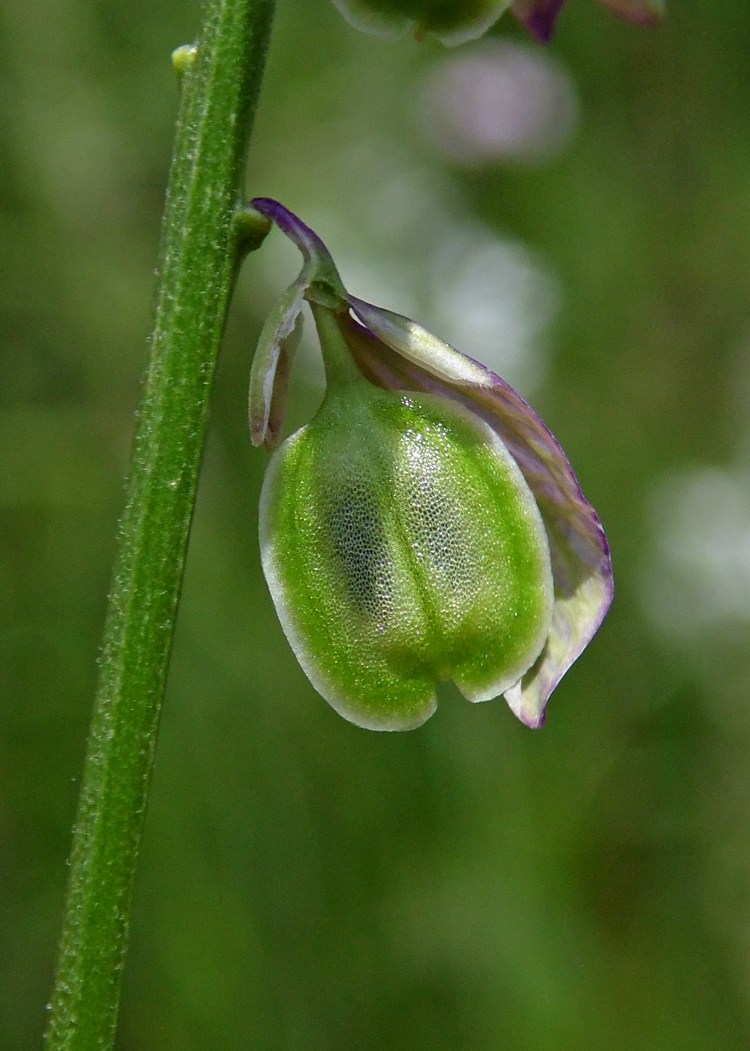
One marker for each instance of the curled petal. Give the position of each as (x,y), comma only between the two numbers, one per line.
(300,233)
(269,376)
(318,281)
(581,564)
(322,278)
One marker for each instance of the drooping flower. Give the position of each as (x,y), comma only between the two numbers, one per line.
(456,21)
(425,525)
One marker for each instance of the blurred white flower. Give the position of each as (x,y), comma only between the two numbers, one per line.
(697,576)
(498,102)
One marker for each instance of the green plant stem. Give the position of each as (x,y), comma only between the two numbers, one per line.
(202,245)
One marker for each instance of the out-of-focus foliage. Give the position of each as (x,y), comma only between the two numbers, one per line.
(306,884)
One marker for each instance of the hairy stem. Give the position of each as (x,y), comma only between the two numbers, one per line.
(202,246)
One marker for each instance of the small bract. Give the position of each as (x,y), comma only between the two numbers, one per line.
(425,525)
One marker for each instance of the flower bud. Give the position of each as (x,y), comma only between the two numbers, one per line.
(452,21)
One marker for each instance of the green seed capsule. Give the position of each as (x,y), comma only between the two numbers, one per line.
(402,545)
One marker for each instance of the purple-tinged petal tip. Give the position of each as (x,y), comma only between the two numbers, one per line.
(538,16)
(300,233)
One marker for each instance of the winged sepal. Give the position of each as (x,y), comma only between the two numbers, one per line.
(581,563)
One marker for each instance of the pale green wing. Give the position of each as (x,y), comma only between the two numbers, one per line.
(579,551)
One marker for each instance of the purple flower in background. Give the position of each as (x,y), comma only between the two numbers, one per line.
(540,16)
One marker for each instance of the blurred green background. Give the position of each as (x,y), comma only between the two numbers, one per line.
(580,216)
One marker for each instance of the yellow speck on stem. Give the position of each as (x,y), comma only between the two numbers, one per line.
(182,58)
